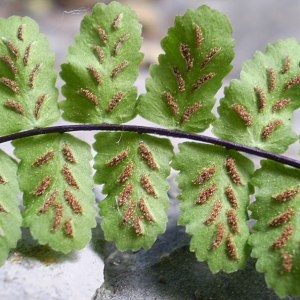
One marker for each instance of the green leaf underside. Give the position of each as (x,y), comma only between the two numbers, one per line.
(275,240)
(54,172)
(181,89)
(214,199)
(28,97)
(133,169)
(10,216)
(257,109)
(103,66)
(55,176)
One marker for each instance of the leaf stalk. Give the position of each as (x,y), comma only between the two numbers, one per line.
(156,131)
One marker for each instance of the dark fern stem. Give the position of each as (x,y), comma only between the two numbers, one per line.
(156,131)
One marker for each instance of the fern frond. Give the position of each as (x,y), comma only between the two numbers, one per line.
(214,199)
(257,109)
(181,89)
(10,216)
(133,169)
(275,240)
(55,177)
(103,66)
(28,97)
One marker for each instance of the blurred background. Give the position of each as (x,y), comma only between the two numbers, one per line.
(255,23)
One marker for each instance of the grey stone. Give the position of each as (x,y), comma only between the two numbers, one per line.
(169,271)
(35,272)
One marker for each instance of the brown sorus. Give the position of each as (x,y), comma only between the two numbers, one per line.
(95,74)
(217,207)
(2,209)
(138,226)
(99,52)
(287,261)
(171,102)
(10,84)
(282,218)
(205,174)
(68,154)
(272,81)
(147,156)
(286,65)
(293,81)
(43,159)
(118,69)
(282,240)
(116,22)
(58,213)
(232,170)
(179,79)
(210,56)
(90,96)
(148,186)
(127,172)
(203,80)
(72,202)
(231,196)
(48,203)
(15,106)
(144,209)
(199,36)
(20,32)
(128,213)
(118,44)
(286,195)
(206,194)
(38,105)
(42,186)
(232,220)
(125,195)
(220,233)
(231,248)
(33,75)
(269,128)
(116,99)
(190,110)
(68,228)
(102,34)
(261,98)
(243,113)
(12,48)
(10,63)
(186,53)
(26,55)
(280,104)
(68,176)
(2,180)
(118,158)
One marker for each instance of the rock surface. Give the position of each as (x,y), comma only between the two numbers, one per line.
(35,272)
(169,271)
